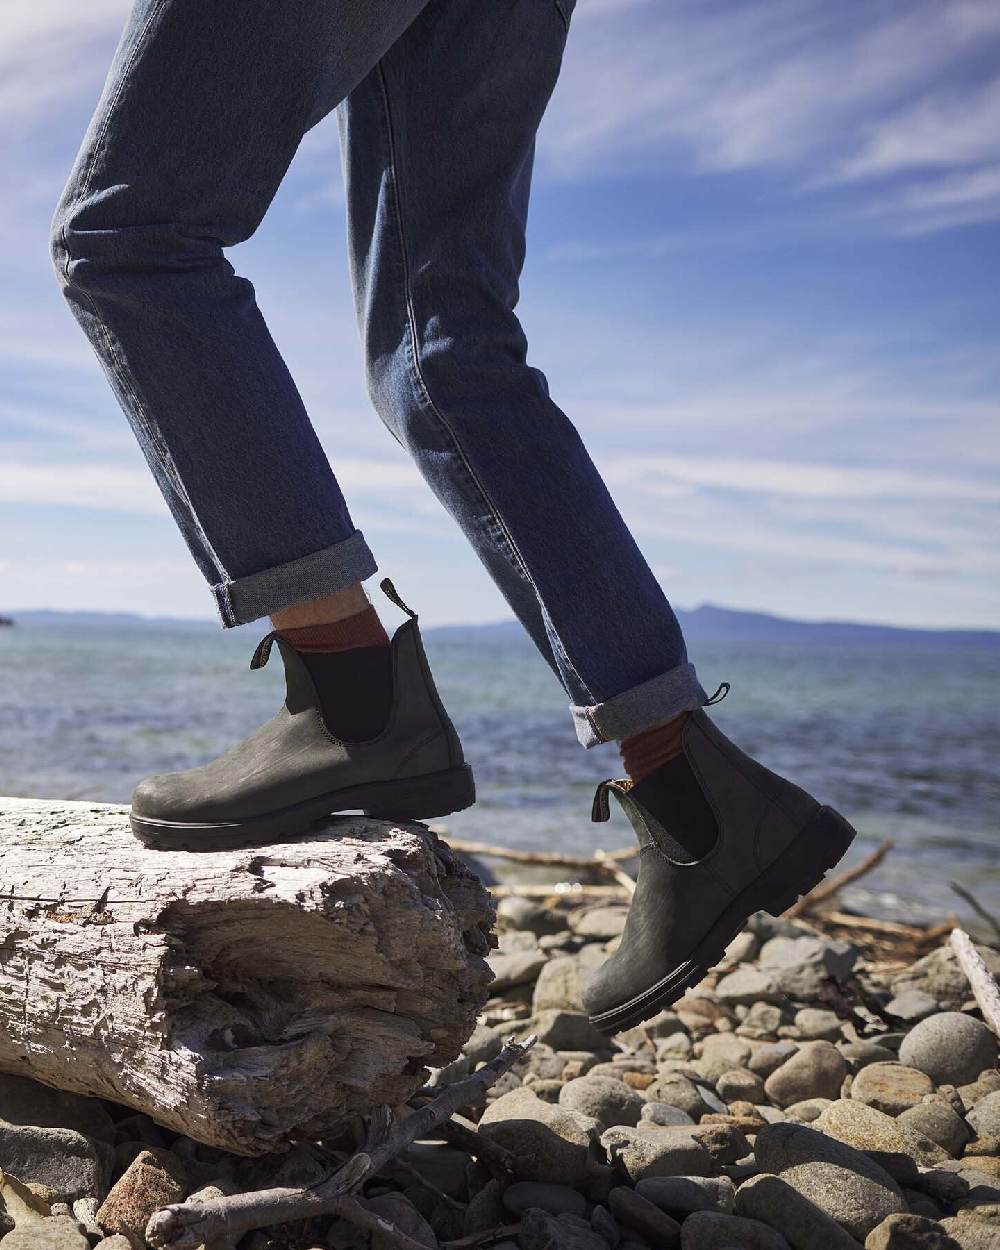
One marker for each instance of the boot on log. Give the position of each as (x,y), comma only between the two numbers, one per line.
(243,998)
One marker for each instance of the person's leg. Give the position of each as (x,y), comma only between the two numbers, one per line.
(438,142)
(202,110)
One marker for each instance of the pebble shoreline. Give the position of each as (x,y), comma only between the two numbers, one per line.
(771,1108)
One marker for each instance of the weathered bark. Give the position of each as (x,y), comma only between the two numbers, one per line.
(244,998)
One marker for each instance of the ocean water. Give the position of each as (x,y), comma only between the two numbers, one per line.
(903,737)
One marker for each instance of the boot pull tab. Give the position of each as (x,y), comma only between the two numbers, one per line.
(263,650)
(718,697)
(601,809)
(389,590)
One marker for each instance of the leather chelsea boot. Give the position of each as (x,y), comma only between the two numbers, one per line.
(293,772)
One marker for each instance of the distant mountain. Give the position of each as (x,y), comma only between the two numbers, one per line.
(708,623)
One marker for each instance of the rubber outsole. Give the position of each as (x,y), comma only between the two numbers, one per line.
(798,869)
(405,798)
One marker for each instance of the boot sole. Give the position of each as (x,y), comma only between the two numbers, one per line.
(404,798)
(798,869)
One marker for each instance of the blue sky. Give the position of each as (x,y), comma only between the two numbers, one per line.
(762,279)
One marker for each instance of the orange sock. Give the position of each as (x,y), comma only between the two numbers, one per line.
(644,752)
(361,630)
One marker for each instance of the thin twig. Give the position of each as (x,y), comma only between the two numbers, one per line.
(831,887)
(977,907)
(462,1133)
(416,1175)
(185,1226)
(984,986)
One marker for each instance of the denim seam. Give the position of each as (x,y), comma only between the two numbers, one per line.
(423,391)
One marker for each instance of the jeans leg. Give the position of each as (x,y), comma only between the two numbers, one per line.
(201,113)
(437,143)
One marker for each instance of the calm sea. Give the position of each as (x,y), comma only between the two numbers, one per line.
(904,738)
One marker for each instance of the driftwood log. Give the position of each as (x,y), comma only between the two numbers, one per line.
(243,998)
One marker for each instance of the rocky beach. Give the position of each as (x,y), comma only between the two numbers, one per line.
(810,1094)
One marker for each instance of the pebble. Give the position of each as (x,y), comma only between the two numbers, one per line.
(515,968)
(664,1115)
(940,975)
(843,1182)
(762,1021)
(911,1005)
(808,1110)
(803,1225)
(749,985)
(816,1070)
(568,1030)
(682,1195)
(860,1054)
(709,1230)
(951,1048)
(120,1242)
(938,1121)
(61,1158)
(721,1052)
(541,1231)
(154,1179)
(740,1085)
(604,1099)
(818,1024)
(678,1091)
(801,966)
(550,1143)
(909,1232)
(667,1152)
(985,1116)
(769,1056)
(56,1233)
(598,922)
(891,1087)
(641,1216)
(556,1199)
(882,1138)
(559,985)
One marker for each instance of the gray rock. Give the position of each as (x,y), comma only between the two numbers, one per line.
(939,1122)
(527,914)
(59,1232)
(891,1087)
(154,1178)
(483,1045)
(556,1199)
(910,1006)
(769,1056)
(808,1110)
(568,1030)
(400,1211)
(710,1230)
(816,1070)
(599,922)
(711,1099)
(739,1085)
(909,1232)
(741,949)
(61,1158)
(801,965)
(984,1116)
(749,985)
(898,1149)
(550,1142)
(486,1207)
(683,1195)
(818,1024)
(515,968)
(604,1224)
(677,1091)
(803,1225)
(971,1234)
(762,1021)
(542,1231)
(641,1216)
(604,1099)
(860,1054)
(844,1183)
(721,1052)
(940,975)
(675,1046)
(119,1242)
(559,986)
(663,1115)
(952,1048)
(664,1152)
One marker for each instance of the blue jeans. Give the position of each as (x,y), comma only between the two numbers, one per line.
(438,102)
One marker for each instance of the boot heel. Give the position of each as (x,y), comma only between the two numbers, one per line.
(803,865)
(420,798)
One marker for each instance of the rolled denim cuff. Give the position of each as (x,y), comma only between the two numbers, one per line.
(648,704)
(310,577)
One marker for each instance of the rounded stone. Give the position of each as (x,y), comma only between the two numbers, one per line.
(891,1087)
(550,1143)
(664,1115)
(800,1222)
(952,1048)
(985,1116)
(739,1085)
(641,1216)
(683,1195)
(909,1232)
(884,1139)
(911,1005)
(709,1230)
(939,1122)
(816,1070)
(603,1098)
(556,1199)
(818,1024)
